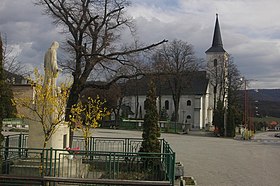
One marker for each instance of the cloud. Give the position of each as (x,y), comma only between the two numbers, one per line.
(27,29)
(250,30)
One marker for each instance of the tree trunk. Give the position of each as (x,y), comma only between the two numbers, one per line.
(117,115)
(45,143)
(72,99)
(176,105)
(136,107)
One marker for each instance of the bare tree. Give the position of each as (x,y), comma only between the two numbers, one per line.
(226,80)
(7,109)
(234,113)
(177,60)
(93,29)
(218,75)
(10,60)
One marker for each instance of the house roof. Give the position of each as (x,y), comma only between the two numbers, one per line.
(273,123)
(217,43)
(194,83)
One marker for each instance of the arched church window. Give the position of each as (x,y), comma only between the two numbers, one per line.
(189,117)
(166,104)
(189,103)
(215,62)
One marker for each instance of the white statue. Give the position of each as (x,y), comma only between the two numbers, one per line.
(51,68)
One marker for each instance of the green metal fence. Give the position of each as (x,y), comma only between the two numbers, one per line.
(16,140)
(107,159)
(165,126)
(110,144)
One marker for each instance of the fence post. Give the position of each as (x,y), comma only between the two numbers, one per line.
(93,144)
(42,163)
(51,154)
(6,154)
(110,169)
(19,144)
(126,145)
(173,168)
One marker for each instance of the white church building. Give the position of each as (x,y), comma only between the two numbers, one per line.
(199,94)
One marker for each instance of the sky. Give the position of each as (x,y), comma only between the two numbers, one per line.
(250,31)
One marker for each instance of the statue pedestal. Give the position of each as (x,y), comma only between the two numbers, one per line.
(59,140)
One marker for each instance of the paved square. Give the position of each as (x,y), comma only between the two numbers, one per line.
(218,161)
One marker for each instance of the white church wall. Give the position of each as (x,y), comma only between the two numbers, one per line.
(202,113)
(186,107)
(209,104)
(141,110)
(193,110)
(197,113)
(170,104)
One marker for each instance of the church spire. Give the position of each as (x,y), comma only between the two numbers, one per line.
(217,39)
(217,43)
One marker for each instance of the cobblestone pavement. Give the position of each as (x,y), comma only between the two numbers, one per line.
(221,161)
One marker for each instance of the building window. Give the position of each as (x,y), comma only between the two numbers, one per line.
(166,105)
(215,63)
(189,103)
(189,117)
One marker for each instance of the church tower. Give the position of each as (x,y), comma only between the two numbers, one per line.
(217,69)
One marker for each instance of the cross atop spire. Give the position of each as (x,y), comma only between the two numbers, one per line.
(217,43)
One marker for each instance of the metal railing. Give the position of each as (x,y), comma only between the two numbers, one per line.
(107,158)
(16,140)
(110,144)
(165,126)
(137,124)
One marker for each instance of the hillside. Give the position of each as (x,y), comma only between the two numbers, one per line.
(265,101)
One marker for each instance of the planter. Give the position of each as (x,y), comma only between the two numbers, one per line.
(189,180)
(185,181)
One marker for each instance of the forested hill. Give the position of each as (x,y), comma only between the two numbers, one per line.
(267,101)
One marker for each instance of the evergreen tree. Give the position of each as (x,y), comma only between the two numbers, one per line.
(151,131)
(218,118)
(163,115)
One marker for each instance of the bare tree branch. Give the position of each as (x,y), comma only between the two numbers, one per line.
(107,85)
(93,30)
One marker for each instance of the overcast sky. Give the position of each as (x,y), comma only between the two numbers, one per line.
(250,31)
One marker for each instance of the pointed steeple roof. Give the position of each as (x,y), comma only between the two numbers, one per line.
(217,44)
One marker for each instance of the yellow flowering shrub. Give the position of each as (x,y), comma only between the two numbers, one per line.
(46,107)
(86,116)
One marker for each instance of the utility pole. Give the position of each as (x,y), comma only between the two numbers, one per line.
(247,109)
(245,104)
